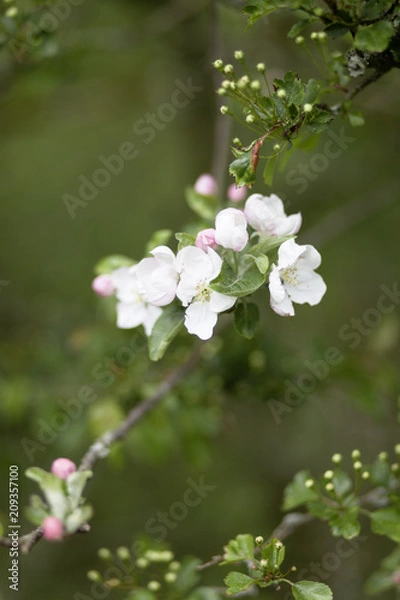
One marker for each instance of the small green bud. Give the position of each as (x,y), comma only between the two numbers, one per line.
(123,553)
(307,109)
(243,82)
(104,553)
(293,569)
(226,84)
(224,110)
(236,141)
(221,92)
(328,474)
(309,483)
(277,147)
(228,69)
(355,455)
(142,563)
(11,12)
(261,67)
(232,85)
(281,93)
(383,456)
(322,36)
(239,54)
(218,64)
(395,467)
(299,40)
(175,565)
(397,449)
(113,583)
(93,576)
(357,465)
(255,85)
(250,119)
(278,545)
(336,458)
(153,586)
(318,12)
(264,563)
(259,540)
(329,487)
(314,35)
(365,475)
(170,577)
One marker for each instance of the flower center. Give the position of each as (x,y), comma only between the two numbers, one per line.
(203,292)
(290,276)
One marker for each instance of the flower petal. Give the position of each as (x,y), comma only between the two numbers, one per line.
(152,314)
(200,320)
(130,314)
(310,289)
(220,302)
(231,229)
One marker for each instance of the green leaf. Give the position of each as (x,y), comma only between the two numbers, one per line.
(386,521)
(233,284)
(345,524)
(380,473)
(53,490)
(185,239)
(342,482)
(296,493)
(204,593)
(293,87)
(188,575)
(311,590)
(159,238)
(266,244)
(204,206)
(269,169)
(241,548)
(237,582)
(373,9)
(262,263)
(75,484)
(246,318)
(356,119)
(243,169)
(336,30)
(108,264)
(37,510)
(375,37)
(77,518)
(318,119)
(165,329)
(273,554)
(260,8)
(312,91)
(142,595)
(298,27)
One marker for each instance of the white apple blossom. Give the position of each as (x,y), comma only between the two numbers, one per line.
(157,277)
(197,269)
(266,214)
(294,279)
(132,309)
(231,229)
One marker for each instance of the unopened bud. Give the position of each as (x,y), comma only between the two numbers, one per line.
(104,553)
(221,91)
(355,455)
(243,82)
(337,458)
(264,563)
(63,467)
(206,239)
(224,110)
(170,577)
(281,93)
(218,64)
(395,467)
(175,565)
(329,487)
(236,194)
(226,84)
(259,540)
(314,35)
(322,36)
(236,141)
(123,553)
(239,54)
(255,85)
(11,12)
(397,449)
(206,185)
(113,582)
(277,147)
(93,575)
(153,586)
(299,40)
(142,563)
(228,69)
(365,475)
(307,107)
(328,474)
(318,12)
(383,456)
(102,285)
(261,67)
(52,529)
(250,119)
(357,465)
(309,483)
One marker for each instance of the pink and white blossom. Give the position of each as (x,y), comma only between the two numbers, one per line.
(157,277)
(206,239)
(293,279)
(132,309)
(63,467)
(197,269)
(52,529)
(231,229)
(266,214)
(206,185)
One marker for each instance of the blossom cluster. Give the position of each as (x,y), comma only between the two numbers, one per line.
(142,290)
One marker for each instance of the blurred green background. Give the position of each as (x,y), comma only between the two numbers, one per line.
(115,62)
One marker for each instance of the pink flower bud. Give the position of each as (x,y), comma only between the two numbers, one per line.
(206,239)
(63,467)
(52,529)
(103,285)
(236,194)
(206,185)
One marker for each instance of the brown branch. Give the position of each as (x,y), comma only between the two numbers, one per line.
(102,445)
